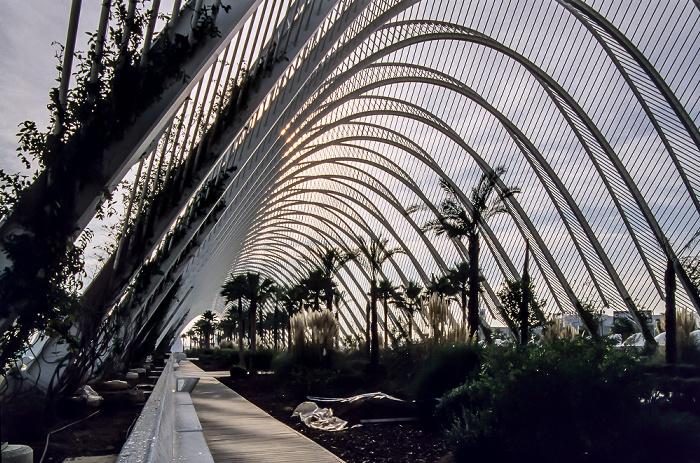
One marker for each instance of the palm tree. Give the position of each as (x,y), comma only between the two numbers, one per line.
(279,293)
(315,283)
(671,328)
(412,292)
(338,297)
(294,295)
(332,260)
(297,294)
(459,280)
(257,292)
(192,335)
(228,324)
(206,324)
(455,222)
(442,286)
(384,291)
(234,290)
(372,256)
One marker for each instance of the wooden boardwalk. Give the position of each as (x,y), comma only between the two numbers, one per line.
(238,431)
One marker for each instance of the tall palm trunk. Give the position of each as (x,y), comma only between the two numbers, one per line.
(525,298)
(274,323)
(671,329)
(253,308)
(329,298)
(260,325)
(463,292)
(368,324)
(386,324)
(241,355)
(374,352)
(473,305)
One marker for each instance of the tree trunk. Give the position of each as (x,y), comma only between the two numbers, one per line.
(386,325)
(260,322)
(525,298)
(671,329)
(473,305)
(410,327)
(464,311)
(329,298)
(374,351)
(241,355)
(368,333)
(274,328)
(253,308)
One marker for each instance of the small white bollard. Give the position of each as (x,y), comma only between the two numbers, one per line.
(17,454)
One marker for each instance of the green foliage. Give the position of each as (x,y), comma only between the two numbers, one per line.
(511,295)
(450,366)
(299,381)
(570,401)
(403,363)
(624,327)
(263,358)
(40,288)
(216,358)
(238,371)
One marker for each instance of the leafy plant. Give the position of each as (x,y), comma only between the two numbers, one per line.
(567,400)
(511,295)
(238,371)
(450,366)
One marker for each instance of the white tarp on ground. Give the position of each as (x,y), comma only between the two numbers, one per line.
(318,418)
(694,338)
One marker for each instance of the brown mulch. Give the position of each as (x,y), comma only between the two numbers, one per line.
(404,442)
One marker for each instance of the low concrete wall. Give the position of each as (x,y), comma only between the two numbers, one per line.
(168,428)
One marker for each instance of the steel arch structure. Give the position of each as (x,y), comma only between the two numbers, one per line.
(360,107)
(375,126)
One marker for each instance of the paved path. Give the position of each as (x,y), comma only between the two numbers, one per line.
(238,431)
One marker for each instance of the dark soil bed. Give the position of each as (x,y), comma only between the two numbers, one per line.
(89,431)
(405,442)
(101,434)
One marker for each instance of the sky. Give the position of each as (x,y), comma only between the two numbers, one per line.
(28,63)
(29,30)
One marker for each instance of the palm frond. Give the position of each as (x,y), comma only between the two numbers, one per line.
(415,208)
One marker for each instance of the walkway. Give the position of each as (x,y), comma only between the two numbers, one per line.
(238,431)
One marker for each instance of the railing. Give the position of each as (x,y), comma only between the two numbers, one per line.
(168,428)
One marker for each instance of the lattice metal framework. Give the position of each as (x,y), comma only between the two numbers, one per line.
(592,106)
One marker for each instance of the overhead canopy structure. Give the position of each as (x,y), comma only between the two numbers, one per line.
(350,112)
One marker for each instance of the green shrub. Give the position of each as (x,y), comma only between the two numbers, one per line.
(450,366)
(238,371)
(300,381)
(404,362)
(262,359)
(568,400)
(226,357)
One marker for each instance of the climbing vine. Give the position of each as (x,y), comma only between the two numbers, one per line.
(40,289)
